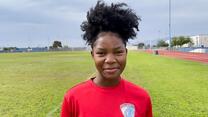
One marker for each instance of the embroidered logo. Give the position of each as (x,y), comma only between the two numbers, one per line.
(127,109)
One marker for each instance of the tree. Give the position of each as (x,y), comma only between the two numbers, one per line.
(57,44)
(9,49)
(174,41)
(6,49)
(181,40)
(140,45)
(162,43)
(187,40)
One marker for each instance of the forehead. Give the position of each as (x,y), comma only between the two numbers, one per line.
(108,40)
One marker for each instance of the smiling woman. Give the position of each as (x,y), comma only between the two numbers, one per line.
(107,31)
(109,54)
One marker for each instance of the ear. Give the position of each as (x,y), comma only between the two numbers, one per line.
(126,50)
(92,55)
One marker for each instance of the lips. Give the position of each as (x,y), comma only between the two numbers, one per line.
(111,70)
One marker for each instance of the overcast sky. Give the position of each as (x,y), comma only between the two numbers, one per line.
(37,23)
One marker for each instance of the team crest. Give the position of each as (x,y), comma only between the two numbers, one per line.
(127,109)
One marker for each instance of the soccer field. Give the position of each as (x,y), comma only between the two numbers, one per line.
(33,84)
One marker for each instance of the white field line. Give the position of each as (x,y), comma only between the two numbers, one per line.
(49,114)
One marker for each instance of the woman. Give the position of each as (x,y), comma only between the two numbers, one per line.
(107,31)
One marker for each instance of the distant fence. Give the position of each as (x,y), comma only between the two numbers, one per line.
(183,49)
(70,49)
(196,49)
(44,49)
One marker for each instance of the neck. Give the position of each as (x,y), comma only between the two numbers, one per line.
(104,82)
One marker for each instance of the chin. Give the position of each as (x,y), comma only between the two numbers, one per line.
(112,77)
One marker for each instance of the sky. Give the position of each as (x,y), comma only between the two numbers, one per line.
(37,23)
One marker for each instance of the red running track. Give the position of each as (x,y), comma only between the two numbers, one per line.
(199,57)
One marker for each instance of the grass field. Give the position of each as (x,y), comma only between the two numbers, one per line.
(33,84)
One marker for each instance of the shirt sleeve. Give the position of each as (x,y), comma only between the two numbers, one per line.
(149,108)
(65,110)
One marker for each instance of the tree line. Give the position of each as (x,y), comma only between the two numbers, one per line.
(175,42)
(55,46)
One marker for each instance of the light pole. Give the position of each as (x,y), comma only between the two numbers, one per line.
(170,23)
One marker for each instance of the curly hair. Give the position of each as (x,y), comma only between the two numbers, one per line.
(113,18)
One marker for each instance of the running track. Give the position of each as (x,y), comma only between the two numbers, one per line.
(199,57)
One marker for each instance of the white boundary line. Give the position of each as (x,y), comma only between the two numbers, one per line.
(49,114)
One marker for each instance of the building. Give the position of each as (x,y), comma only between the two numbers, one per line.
(200,40)
(1,49)
(131,47)
(167,41)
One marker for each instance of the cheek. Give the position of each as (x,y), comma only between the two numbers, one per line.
(122,61)
(98,62)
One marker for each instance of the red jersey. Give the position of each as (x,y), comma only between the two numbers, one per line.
(123,100)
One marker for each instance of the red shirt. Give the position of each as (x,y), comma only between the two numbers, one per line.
(123,100)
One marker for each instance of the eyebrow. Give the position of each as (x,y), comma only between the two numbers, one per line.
(119,47)
(101,49)
(116,48)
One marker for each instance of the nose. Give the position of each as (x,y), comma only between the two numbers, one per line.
(110,58)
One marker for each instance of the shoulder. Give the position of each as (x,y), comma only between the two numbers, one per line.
(78,89)
(135,90)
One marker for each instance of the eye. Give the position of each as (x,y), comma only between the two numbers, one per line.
(119,52)
(100,53)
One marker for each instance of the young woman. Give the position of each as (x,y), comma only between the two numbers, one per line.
(107,31)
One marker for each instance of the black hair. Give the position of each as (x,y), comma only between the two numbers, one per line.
(113,18)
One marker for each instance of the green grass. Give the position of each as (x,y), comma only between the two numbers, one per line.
(178,88)
(33,84)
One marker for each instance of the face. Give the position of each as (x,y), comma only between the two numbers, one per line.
(109,54)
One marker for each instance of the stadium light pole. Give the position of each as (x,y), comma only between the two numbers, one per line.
(170,23)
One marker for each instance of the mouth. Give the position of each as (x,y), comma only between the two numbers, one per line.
(111,70)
